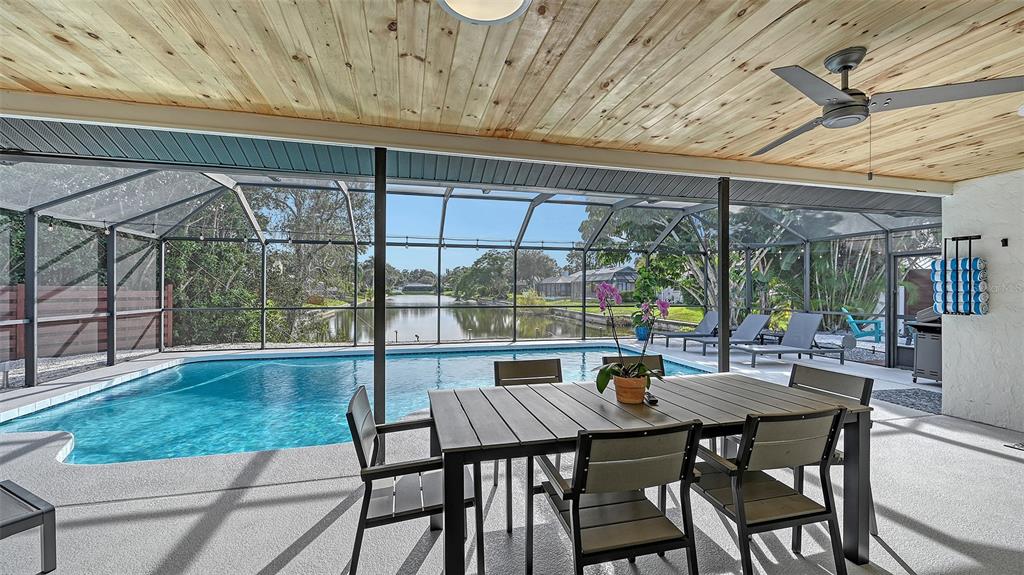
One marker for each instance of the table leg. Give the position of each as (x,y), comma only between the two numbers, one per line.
(436,521)
(48,542)
(856,483)
(529,515)
(454,515)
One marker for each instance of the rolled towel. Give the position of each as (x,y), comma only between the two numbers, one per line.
(963,297)
(977,297)
(972,264)
(977,286)
(980,308)
(938,265)
(961,275)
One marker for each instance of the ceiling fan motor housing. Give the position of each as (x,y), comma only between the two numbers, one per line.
(846,114)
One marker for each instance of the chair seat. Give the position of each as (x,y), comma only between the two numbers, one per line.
(413,495)
(610,521)
(765,498)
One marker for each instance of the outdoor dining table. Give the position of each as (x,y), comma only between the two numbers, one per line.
(485,424)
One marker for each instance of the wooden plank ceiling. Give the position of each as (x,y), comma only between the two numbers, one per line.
(671,76)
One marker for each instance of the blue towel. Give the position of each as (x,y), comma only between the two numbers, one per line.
(980,308)
(977,286)
(961,297)
(962,275)
(972,264)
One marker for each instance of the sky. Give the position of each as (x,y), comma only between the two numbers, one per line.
(418,218)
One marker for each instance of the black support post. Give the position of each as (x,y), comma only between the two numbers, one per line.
(263,295)
(515,295)
(31,311)
(111,295)
(891,286)
(723,275)
(748,281)
(807,276)
(583,295)
(162,289)
(380,236)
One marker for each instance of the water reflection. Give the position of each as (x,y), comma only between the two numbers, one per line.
(414,318)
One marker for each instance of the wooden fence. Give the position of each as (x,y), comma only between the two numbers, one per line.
(74,334)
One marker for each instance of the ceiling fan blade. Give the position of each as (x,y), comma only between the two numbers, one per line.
(789,136)
(812,86)
(899,99)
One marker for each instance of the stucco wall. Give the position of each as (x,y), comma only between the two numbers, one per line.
(983,356)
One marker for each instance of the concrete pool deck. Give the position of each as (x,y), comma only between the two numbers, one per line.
(946,490)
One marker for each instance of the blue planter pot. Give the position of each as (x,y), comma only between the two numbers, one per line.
(642,332)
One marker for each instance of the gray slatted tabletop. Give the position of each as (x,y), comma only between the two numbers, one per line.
(487,424)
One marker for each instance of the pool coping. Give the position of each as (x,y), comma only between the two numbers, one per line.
(28,400)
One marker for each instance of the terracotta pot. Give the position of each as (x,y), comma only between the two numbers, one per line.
(630,389)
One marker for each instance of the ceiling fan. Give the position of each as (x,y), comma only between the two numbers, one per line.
(845,106)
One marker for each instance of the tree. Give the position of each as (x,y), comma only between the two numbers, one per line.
(533,266)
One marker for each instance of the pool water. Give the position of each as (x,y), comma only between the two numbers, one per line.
(234,406)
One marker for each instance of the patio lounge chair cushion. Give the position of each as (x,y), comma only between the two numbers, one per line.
(621,519)
(765,498)
(416,494)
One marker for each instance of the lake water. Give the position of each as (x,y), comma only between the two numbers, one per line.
(412,318)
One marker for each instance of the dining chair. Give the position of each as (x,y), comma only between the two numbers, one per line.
(522,372)
(653,362)
(396,492)
(740,489)
(825,382)
(603,507)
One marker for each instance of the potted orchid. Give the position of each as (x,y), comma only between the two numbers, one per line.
(632,378)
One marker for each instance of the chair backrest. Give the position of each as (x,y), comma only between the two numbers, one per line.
(631,459)
(801,330)
(653,362)
(362,427)
(527,371)
(708,323)
(789,440)
(750,327)
(850,321)
(832,382)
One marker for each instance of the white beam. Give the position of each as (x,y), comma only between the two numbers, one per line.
(231,123)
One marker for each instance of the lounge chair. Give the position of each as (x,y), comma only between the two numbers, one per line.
(603,507)
(747,332)
(741,491)
(707,327)
(522,372)
(799,339)
(874,326)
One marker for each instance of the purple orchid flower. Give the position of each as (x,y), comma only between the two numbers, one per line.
(663,308)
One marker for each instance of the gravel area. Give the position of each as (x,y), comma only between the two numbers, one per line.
(922,400)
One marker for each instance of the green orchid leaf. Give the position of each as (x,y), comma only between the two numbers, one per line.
(603,377)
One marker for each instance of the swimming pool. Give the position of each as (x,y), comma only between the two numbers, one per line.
(232,406)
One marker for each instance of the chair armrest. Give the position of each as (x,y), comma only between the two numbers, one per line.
(384,471)
(717,460)
(405,425)
(560,484)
